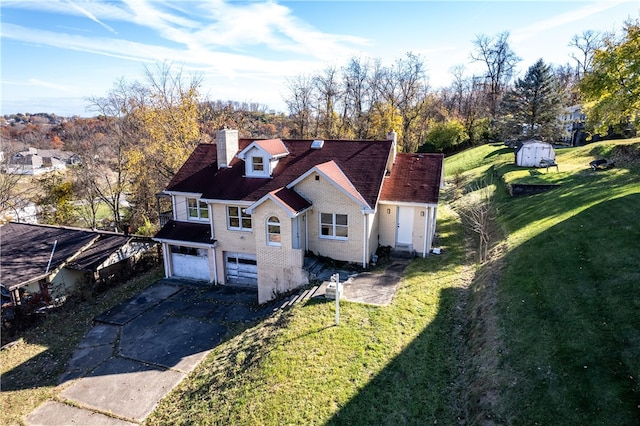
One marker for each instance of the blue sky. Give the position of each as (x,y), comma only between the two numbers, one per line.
(55,54)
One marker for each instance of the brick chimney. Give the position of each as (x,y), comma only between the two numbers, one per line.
(394,149)
(227,146)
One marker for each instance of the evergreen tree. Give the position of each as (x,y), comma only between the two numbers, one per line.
(534,105)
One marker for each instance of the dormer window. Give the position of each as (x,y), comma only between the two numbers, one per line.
(261,157)
(257,165)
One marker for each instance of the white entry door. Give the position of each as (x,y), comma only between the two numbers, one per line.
(404,235)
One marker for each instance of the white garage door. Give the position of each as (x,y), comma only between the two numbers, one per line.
(241,268)
(189,262)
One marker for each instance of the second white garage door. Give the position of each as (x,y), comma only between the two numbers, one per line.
(241,268)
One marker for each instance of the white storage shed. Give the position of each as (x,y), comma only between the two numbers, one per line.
(534,153)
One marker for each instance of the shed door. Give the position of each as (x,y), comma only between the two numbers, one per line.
(404,235)
(241,268)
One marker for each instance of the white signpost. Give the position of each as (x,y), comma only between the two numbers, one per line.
(335,278)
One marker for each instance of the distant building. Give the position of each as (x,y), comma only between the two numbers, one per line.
(573,121)
(38,161)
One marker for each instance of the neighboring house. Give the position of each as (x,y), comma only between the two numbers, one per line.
(54,260)
(534,153)
(246,212)
(19,210)
(573,120)
(38,161)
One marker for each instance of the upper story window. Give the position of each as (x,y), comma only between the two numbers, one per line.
(334,225)
(238,219)
(257,164)
(197,209)
(273,231)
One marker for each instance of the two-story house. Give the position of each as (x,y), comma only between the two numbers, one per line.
(246,212)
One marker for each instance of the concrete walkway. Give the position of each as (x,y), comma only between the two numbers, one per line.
(141,349)
(138,351)
(375,288)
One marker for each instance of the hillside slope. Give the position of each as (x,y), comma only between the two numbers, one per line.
(558,337)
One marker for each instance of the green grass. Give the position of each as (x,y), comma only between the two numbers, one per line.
(381,365)
(548,331)
(567,298)
(481,157)
(31,367)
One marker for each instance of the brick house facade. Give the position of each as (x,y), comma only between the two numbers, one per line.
(247,212)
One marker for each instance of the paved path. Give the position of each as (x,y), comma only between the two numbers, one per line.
(138,351)
(375,288)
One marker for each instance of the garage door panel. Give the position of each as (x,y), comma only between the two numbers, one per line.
(192,267)
(241,268)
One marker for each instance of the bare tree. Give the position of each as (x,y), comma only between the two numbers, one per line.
(356,82)
(300,103)
(14,193)
(587,43)
(327,91)
(467,101)
(477,210)
(105,164)
(405,89)
(500,60)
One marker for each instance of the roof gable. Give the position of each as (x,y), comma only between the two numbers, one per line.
(275,148)
(334,174)
(288,199)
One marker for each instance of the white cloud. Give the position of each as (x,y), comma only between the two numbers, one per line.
(563,20)
(200,37)
(40,83)
(91,16)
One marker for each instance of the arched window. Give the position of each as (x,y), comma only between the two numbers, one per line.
(273,231)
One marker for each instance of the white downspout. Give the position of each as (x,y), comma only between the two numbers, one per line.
(215,267)
(427,236)
(210,209)
(364,240)
(167,261)
(306,231)
(433,223)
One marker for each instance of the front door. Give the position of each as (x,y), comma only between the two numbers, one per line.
(404,235)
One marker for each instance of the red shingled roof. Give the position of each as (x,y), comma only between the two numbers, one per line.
(274,147)
(363,163)
(287,198)
(415,178)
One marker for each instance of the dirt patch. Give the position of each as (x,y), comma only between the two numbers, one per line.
(626,155)
(485,374)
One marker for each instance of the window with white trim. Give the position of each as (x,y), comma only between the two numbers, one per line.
(197,209)
(273,231)
(257,164)
(334,226)
(237,219)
